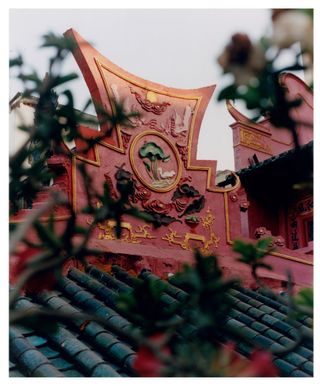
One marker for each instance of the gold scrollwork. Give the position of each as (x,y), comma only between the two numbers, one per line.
(254,141)
(133,236)
(173,238)
(207,220)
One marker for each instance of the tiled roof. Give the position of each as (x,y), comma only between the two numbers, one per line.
(286,156)
(274,182)
(87,349)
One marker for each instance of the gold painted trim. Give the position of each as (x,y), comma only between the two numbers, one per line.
(74,183)
(226,215)
(293,258)
(43,219)
(172,147)
(253,141)
(120,148)
(97,162)
(136,83)
(243,120)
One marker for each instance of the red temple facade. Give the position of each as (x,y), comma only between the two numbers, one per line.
(157,153)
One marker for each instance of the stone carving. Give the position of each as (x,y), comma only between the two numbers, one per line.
(125,182)
(187,199)
(125,139)
(155,161)
(244,205)
(153,155)
(149,102)
(261,232)
(157,206)
(180,126)
(233,197)
(264,232)
(279,241)
(152,124)
(141,194)
(175,125)
(183,150)
(156,209)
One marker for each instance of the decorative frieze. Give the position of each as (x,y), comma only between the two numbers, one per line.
(254,141)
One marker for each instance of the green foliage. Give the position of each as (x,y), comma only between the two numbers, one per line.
(303,302)
(18,61)
(207,303)
(200,316)
(257,79)
(145,306)
(253,254)
(148,167)
(31,173)
(304,297)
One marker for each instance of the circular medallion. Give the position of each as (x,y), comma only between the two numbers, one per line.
(155,161)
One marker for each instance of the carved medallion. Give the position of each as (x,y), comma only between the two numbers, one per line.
(155,161)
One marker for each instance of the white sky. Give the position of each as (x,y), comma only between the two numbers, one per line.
(174,47)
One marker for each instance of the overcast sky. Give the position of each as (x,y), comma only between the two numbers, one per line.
(177,48)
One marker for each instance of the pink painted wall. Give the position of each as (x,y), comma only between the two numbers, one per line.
(262,138)
(171,118)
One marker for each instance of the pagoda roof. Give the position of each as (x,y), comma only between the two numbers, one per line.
(277,176)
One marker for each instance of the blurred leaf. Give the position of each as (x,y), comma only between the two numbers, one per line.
(46,236)
(59,42)
(304,297)
(59,80)
(17,61)
(33,77)
(229,92)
